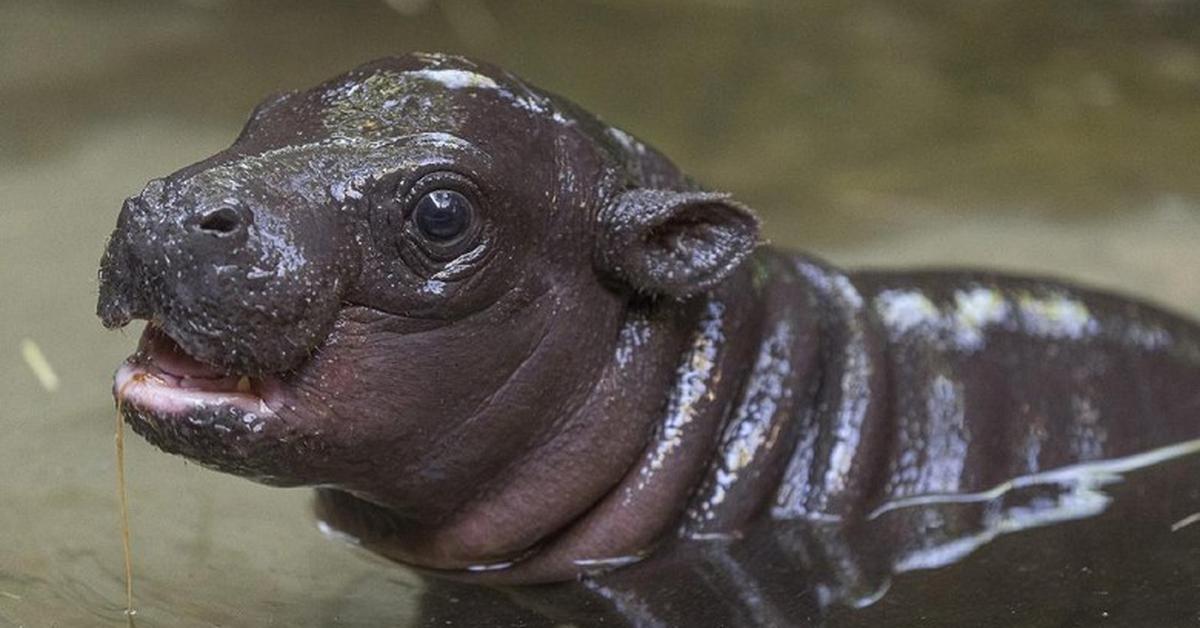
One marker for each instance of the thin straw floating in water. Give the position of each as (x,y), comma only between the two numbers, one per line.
(39,365)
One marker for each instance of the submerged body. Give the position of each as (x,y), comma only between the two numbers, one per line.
(516,347)
(845,429)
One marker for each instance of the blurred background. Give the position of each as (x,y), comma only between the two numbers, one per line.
(1052,138)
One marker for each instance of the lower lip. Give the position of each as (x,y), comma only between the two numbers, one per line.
(150,390)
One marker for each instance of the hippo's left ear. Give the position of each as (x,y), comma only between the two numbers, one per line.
(674,243)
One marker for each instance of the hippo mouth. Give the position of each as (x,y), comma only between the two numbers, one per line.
(162,378)
(228,422)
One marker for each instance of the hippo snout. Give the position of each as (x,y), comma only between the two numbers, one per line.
(238,287)
(120,300)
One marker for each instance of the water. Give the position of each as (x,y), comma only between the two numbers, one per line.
(1058,139)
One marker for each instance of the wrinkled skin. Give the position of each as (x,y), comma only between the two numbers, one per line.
(601,381)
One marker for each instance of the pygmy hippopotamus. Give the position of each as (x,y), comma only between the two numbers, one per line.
(514,346)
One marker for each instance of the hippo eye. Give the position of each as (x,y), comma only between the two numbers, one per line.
(443,215)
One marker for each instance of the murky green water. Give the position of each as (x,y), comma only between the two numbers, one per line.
(1056,138)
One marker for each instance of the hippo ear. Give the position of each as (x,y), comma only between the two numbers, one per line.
(674,243)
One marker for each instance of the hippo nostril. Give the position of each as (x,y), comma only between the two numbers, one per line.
(221,221)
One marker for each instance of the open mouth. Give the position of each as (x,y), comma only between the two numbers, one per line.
(162,378)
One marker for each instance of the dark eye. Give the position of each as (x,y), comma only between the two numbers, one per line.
(442,215)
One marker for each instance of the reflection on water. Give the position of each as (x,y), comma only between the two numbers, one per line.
(1057,138)
(1095,544)
(1034,559)
(945,529)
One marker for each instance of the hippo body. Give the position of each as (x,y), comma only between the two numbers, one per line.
(516,347)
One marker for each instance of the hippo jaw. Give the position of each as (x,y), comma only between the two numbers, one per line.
(228,422)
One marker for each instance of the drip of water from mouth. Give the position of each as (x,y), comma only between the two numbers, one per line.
(123,497)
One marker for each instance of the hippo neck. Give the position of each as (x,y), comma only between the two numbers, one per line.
(647,500)
(688,431)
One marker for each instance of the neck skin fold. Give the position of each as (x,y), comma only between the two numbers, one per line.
(615,477)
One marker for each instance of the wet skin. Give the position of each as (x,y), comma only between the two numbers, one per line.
(514,346)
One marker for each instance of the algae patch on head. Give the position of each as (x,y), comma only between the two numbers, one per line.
(381,102)
(390,103)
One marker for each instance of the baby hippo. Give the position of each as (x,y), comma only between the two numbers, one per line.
(516,347)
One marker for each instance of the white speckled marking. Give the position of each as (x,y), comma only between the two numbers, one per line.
(456,79)
(634,334)
(751,429)
(946,437)
(964,324)
(974,310)
(906,310)
(1057,316)
(695,376)
(803,499)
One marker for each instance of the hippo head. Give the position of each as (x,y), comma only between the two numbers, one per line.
(393,283)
